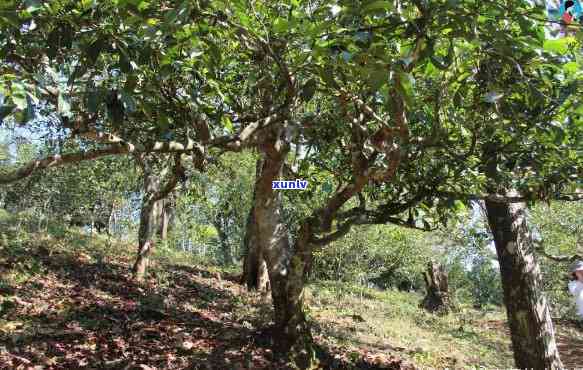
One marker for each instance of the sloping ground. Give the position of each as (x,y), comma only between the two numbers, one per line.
(69,302)
(391,321)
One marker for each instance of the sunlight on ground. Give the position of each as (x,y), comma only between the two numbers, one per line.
(391,321)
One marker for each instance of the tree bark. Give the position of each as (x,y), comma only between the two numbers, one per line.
(149,219)
(529,318)
(286,266)
(293,333)
(255,275)
(437,298)
(165,218)
(170,209)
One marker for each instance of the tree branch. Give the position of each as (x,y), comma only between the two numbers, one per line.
(557,258)
(573,197)
(57,160)
(339,233)
(176,175)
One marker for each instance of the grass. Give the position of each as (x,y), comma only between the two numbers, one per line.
(356,316)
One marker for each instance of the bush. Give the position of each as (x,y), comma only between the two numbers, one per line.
(384,256)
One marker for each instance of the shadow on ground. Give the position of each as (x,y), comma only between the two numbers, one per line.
(76,313)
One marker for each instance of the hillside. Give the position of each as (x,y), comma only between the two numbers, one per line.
(67,301)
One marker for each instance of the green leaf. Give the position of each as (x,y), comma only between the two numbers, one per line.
(227,123)
(280,25)
(430,70)
(559,46)
(376,6)
(29,111)
(571,67)
(377,77)
(459,205)
(405,87)
(444,63)
(33,5)
(94,49)
(124,61)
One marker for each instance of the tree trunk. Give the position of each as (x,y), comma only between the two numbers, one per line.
(529,318)
(219,225)
(112,220)
(255,274)
(286,267)
(532,332)
(149,218)
(170,211)
(164,220)
(437,298)
(292,335)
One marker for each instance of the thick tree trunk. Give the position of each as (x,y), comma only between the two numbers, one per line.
(293,333)
(149,219)
(437,298)
(529,318)
(286,266)
(532,332)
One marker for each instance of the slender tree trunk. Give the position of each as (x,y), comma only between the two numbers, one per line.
(255,274)
(164,220)
(170,211)
(149,218)
(293,333)
(225,246)
(112,220)
(529,318)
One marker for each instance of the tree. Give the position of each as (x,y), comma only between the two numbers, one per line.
(387,98)
(255,275)
(157,185)
(437,297)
